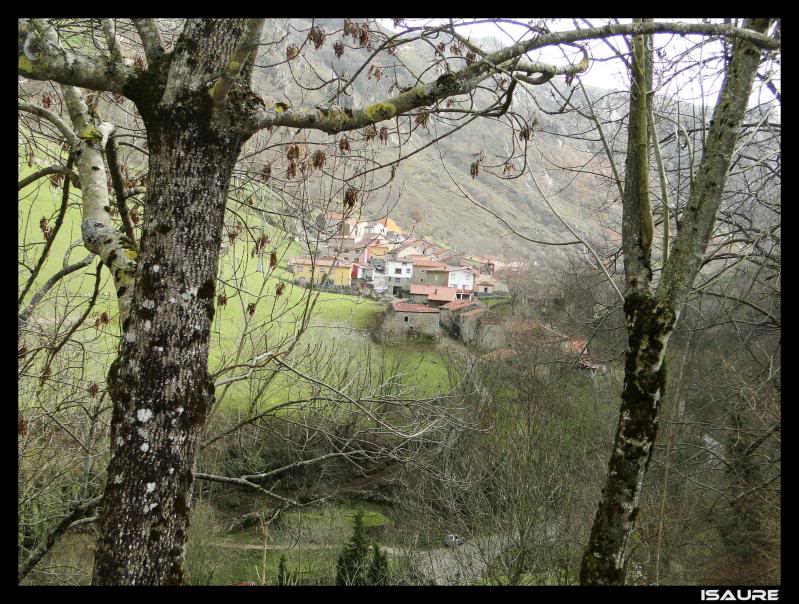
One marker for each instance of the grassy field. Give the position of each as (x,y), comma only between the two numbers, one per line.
(336,321)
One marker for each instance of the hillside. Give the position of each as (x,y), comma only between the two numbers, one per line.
(426,186)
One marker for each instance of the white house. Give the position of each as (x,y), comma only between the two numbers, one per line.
(399,273)
(461,278)
(370,227)
(380,281)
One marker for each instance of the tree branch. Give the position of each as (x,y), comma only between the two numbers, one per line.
(55,169)
(699,216)
(241,482)
(41,57)
(114,48)
(25,315)
(51,238)
(150,39)
(245,48)
(51,117)
(119,189)
(37,554)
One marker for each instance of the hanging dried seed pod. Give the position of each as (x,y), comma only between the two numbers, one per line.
(350,198)
(317,36)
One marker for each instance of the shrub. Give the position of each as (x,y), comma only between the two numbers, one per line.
(354,566)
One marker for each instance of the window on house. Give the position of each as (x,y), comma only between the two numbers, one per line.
(397,271)
(408,271)
(485,289)
(406,319)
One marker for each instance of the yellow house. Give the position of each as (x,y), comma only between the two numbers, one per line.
(391,225)
(379,249)
(337,272)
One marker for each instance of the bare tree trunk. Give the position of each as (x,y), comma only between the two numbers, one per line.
(159,383)
(651,316)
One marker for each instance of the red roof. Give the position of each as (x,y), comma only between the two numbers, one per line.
(465,269)
(474,312)
(401,306)
(434,292)
(428,264)
(457,304)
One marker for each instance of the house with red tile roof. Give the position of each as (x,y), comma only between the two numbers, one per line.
(404,319)
(428,270)
(460,316)
(434,295)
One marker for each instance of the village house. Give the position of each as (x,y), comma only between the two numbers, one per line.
(451,312)
(451,257)
(483,286)
(377,254)
(344,248)
(322,270)
(488,285)
(429,271)
(406,248)
(334,223)
(461,279)
(483,265)
(379,281)
(404,319)
(400,274)
(468,324)
(433,295)
(359,271)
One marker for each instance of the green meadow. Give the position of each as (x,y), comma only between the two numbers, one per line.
(262,309)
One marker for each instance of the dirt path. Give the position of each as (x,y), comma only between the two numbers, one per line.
(444,565)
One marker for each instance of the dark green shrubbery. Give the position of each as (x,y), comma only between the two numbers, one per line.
(354,566)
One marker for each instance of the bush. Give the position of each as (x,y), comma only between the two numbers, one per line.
(354,566)
(285,577)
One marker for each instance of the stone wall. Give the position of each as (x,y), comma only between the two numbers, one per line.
(418,323)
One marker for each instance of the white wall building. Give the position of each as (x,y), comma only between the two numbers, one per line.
(399,274)
(380,281)
(461,278)
(369,227)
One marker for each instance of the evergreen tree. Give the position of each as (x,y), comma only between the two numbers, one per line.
(281,571)
(353,564)
(378,568)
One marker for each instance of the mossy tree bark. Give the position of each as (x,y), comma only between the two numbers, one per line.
(159,383)
(651,315)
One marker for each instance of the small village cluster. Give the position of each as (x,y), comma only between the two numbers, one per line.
(376,255)
(433,288)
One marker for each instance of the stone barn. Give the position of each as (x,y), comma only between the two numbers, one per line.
(406,319)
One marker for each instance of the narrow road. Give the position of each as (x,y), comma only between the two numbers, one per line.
(444,565)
